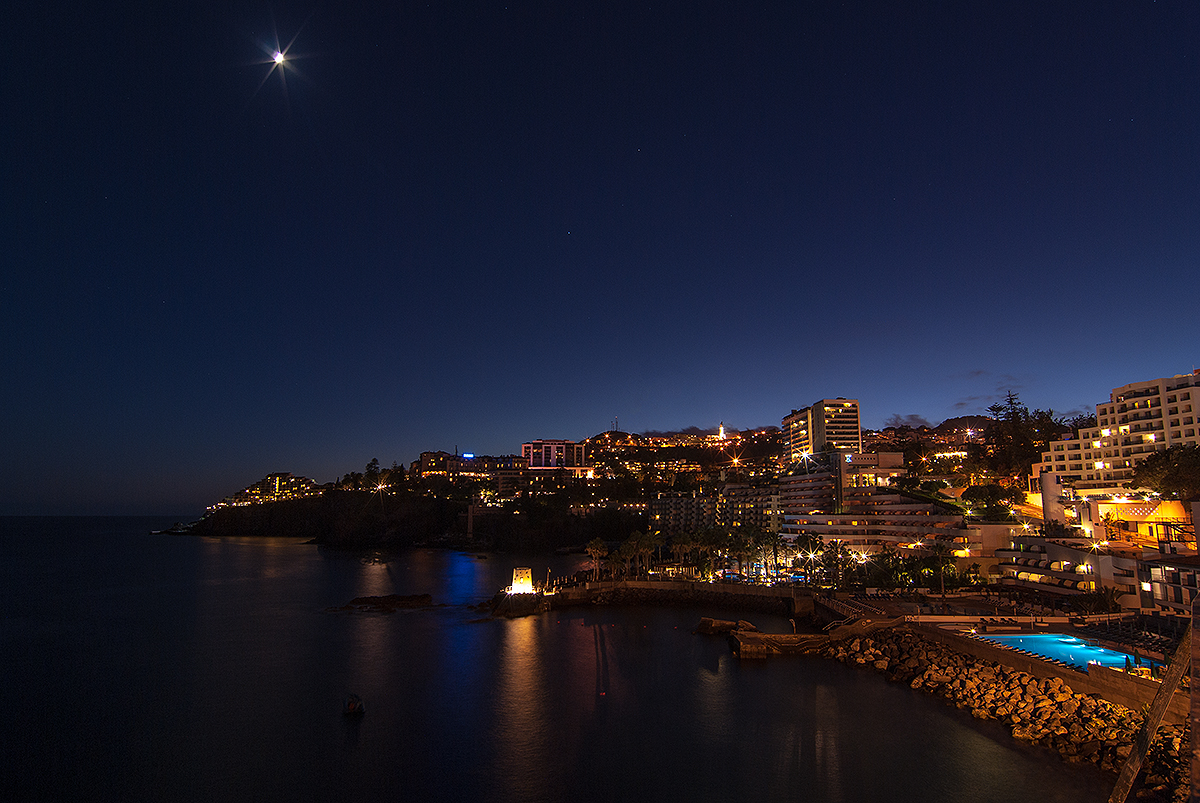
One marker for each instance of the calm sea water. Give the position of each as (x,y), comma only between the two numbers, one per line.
(168,668)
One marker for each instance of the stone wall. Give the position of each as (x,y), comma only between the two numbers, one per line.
(779,600)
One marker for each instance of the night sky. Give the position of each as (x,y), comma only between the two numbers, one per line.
(468,225)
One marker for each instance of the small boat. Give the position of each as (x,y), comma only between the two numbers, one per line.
(354,706)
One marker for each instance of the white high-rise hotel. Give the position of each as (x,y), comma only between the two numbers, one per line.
(1137,420)
(828,422)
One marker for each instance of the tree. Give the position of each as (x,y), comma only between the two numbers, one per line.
(887,568)
(741,546)
(1105,599)
(596,550)
(371,474)
(1015,436)
(833,560)
(942,557)
(992,502)
(770,543)
(1173,473)
(619,558)
(1078,422)
(709,541)
(394,477)
(646,544)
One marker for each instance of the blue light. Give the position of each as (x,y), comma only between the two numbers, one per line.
(468,455)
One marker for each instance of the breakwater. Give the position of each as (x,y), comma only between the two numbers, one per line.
(781,601)
(1081,728)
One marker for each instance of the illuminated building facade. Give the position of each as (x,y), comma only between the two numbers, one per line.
(758,506)
(682,513)
(829,422)
(543,455)
(1071,566)
(272,488)
(1137,420)
(508,471)
(850,498)
(1172,581)
(733,505)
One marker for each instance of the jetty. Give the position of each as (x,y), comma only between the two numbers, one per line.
(753,644)
(747,643)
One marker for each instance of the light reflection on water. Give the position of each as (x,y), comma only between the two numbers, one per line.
(220,675)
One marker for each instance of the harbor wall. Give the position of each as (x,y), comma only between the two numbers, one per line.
(781,600)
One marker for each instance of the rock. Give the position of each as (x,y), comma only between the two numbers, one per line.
(387,604)
(711,627)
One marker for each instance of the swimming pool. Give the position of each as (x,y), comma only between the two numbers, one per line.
(1068,649)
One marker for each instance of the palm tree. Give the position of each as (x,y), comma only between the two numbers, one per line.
(618,559)
(681,545)
(647,543)
(771,542)
(886,566)
(711,540)
(833,558)
(741,547)
(631,550)
(943,556)
(596,549)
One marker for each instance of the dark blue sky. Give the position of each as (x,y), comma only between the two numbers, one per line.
(470,225)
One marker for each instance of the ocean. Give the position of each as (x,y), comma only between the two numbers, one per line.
(177,668)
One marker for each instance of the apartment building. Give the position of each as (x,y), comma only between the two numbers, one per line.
(1137,420)
(828,422)
(1072,566)
(850,498)
(544,455)
(272,488)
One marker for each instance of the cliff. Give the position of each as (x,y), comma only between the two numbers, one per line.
(346,519)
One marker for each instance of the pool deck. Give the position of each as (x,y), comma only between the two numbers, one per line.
(1110,684)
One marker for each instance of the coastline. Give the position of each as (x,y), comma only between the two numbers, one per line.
(1042,709)
(1080,728)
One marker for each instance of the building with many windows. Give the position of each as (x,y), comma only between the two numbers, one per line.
(508,472)
(1172,581)
(552,454)
(731,505)
(850,498)
(825,423)
(542,455)
(1137,420)
(1073,565)
(272,488)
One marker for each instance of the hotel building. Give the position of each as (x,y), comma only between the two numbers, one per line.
(1137,420)
(1071,565)
(544,455)
(825,423)
(272,488)
(851,499)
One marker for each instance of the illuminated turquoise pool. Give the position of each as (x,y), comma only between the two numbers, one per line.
(1068,649)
